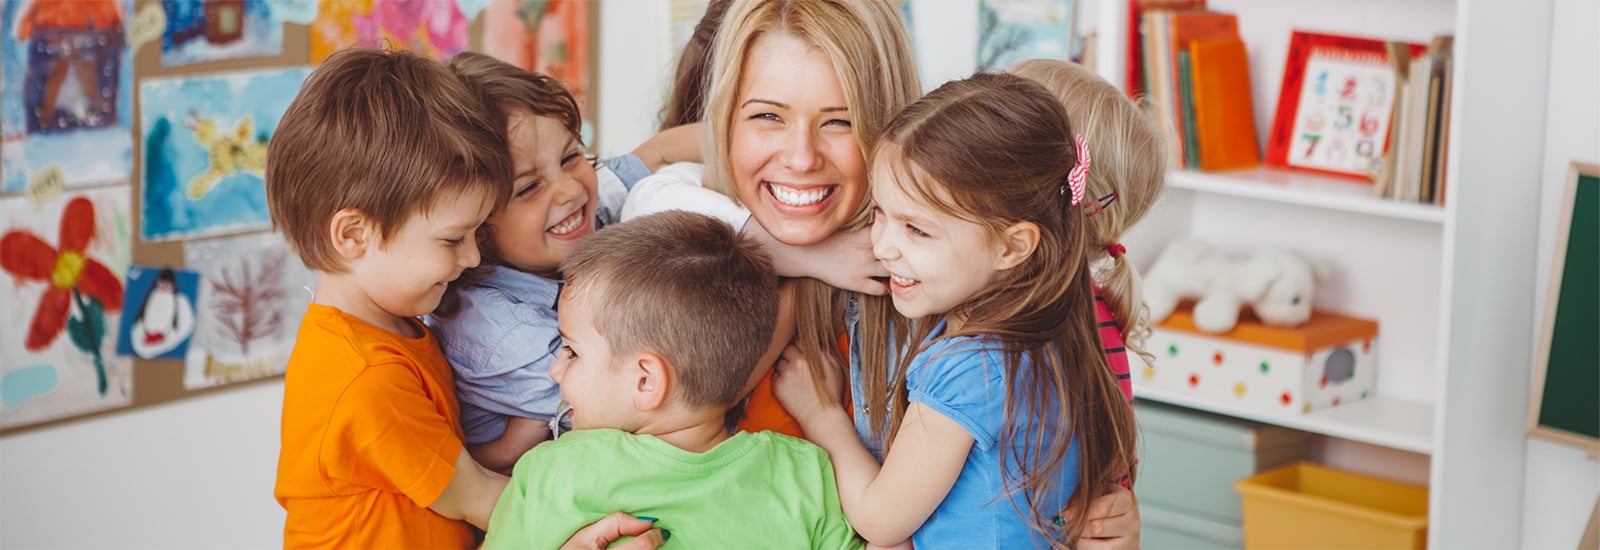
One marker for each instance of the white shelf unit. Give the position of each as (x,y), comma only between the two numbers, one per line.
(1450,286)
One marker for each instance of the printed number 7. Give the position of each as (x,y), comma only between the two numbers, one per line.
(1313,139)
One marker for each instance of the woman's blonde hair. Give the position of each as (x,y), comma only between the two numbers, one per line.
(1129,161)
(867,44)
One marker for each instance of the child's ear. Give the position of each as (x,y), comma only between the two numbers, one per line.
(1018,244)
(351,232)
(653,377)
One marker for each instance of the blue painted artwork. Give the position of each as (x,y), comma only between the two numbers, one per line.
(219,29)
(1013,30)
(205,150)
(66,99)
(159,315)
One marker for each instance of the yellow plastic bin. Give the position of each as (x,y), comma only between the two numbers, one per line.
(1304,505)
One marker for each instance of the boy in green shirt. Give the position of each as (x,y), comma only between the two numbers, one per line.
(662,321)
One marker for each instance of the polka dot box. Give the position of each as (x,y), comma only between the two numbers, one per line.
(1328,361)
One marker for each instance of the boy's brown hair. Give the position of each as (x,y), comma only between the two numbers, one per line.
(686,287)
(386,133)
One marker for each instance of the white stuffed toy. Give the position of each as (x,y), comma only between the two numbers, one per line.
(1277,284)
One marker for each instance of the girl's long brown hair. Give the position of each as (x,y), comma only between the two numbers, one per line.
(995,149)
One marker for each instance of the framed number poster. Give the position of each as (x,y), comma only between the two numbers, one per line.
(1335,105)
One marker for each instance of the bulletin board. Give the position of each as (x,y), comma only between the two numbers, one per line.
(1565,405)
(137,263)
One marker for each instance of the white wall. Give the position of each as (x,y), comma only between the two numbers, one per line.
(1561,484)
(196,473)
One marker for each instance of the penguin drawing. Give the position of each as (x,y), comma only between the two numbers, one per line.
(166,319)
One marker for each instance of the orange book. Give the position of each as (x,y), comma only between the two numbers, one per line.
(1225,123)
(1184,28)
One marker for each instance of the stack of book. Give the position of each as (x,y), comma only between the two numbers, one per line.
(1192,69)
(1414,167)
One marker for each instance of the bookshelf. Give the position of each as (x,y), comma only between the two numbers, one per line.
(1304,189)
(1451,286)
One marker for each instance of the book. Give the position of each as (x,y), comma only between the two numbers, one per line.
(1441,50)
(1400,63)
(1224,113)
(1186,27)
(1186,101)
(1335,105)
(1135,82)
(1159,73)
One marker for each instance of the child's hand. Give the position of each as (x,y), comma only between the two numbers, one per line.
(1113,522)
(844,260)
(800,392)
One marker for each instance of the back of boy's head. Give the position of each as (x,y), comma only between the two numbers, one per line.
(508,89)
(1129,159)
(386,133)
(683,286)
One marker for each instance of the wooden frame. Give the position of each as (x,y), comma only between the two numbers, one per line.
(1547,325)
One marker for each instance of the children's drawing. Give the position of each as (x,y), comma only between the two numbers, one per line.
(549,37)
(66,94)
(1013,30)
(205,150)
(433,28)
(160,316)
(59,267)
(211,30)
(253,292)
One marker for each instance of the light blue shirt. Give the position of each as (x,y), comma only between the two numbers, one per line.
(964,379)
(503,339)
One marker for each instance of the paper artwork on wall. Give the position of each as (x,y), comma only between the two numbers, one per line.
(60,277)
(253,291)
(545,36)
(219,29)
(205,150)
(432,28)
(65,110)
(1013,30)
(160,315)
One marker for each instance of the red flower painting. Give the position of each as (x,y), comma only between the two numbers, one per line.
(66,268)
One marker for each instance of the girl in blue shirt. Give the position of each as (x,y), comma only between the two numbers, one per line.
(1005,417)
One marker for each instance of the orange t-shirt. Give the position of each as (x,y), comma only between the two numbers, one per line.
(762,411)
(370,438)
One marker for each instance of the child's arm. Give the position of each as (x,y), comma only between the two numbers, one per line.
(885,504)
(502,453)
(471,494)
(843,260)
(679,144)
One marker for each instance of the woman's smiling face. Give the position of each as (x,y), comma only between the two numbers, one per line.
(793,156)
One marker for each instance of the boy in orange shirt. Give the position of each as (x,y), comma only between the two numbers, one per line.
(378,175)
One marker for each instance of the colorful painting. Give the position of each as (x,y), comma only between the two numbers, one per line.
(219,29)
(65,100)
(433,28)
(253,292)
(1013,30)
(160,316)
(205,150)
(59,280)
(550,37)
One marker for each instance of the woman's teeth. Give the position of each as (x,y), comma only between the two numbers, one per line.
(568,225)
(902,281)
(794,197)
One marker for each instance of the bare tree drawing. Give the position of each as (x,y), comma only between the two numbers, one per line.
(248,304)
(997,40)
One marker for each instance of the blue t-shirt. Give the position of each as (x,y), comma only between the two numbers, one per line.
(503,339)
(964,379)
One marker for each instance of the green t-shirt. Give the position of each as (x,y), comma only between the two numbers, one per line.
(755,490)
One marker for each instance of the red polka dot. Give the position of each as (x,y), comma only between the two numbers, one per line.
(1286,399)
(1366,346)
(1335,400)
(1194,380)
(1216,358)
(1323,383)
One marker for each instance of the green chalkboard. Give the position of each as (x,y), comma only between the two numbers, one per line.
(1566,397)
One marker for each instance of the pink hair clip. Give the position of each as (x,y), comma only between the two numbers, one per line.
(1078,178)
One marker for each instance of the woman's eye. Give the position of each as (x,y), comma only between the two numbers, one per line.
(912,229)
(766,116)
(838,122)
(456,241)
